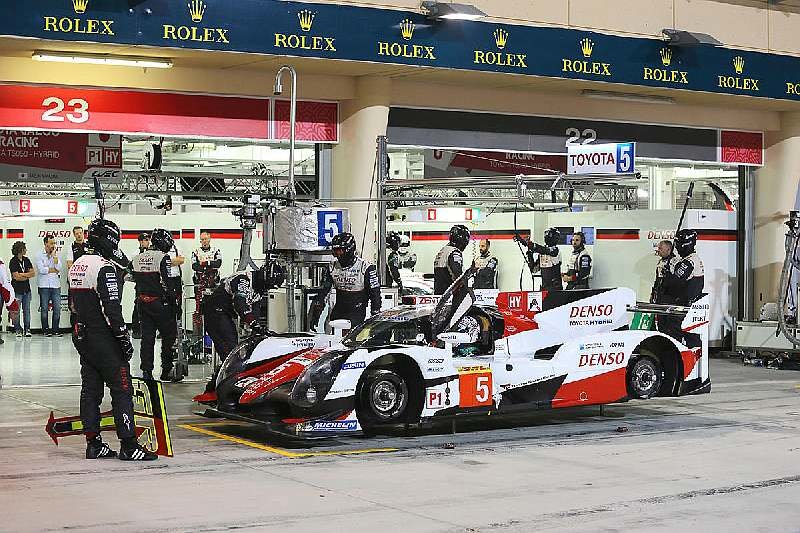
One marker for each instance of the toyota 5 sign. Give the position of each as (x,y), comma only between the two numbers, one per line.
(614,158)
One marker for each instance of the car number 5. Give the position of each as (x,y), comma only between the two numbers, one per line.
(482,389)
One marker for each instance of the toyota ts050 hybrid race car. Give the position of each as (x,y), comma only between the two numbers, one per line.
(416,364)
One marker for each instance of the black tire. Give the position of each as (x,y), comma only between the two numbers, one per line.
(383,399)
(645,376)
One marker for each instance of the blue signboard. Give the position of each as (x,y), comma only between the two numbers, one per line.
(287,28)
(329,224)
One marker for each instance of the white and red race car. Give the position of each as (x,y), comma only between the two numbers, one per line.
(415,364)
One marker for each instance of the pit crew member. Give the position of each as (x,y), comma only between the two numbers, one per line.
(449,262)
(101,338)
(356,283)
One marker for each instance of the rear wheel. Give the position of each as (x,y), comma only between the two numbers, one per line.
(383,399)
(644,377)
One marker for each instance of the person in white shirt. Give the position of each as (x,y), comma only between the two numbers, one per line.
(48,270)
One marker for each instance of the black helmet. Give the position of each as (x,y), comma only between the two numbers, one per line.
(344,248)
(459,236)
(161,239)
(104,237)
(552,236)
(685,241)
(270,276)
(393,240)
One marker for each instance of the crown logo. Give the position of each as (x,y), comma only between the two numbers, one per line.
(738,64)
(666,56)
(306,19)
(407,29)
(80,6)
(587,46)
(197,8)
(500,38)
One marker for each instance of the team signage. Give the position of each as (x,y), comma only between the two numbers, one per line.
(397,37)
(613,158)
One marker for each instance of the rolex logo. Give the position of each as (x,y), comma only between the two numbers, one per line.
(80,6)
(306,19)
(500,38)
(407,29)
(587,46)
(738,64)
(666,56)
(197,8)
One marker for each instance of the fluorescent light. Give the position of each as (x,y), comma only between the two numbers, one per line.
(628,97)
(443,11)
(103,59)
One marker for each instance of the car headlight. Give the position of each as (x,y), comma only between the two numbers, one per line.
(315,382)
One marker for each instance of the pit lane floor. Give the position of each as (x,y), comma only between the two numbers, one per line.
(724,461)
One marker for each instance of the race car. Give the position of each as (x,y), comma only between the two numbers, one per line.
(416,364)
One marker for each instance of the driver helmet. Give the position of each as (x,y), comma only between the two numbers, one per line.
(685,241)
(459,236)
(552,236)
(103,237)
(470,325)
(161,240)
(343,246)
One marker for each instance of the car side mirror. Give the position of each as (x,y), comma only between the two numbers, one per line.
(339,326)
(454,338)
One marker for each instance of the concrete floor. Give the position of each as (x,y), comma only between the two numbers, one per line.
(725,461)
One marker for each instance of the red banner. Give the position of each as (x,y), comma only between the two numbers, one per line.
(316,121)
(56,156)
(67,108)
(742,147)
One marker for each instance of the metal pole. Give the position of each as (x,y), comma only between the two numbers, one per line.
(292,121)
(383,174)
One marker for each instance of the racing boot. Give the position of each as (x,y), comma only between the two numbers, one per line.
(135,452)
(97,449)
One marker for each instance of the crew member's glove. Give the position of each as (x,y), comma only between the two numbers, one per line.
(257,328)
(520,239)
(127,347)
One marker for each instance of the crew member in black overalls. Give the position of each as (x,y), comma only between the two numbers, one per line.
(232,297)
(101,338)
(486,267)
(356,283)
(206,262)
(394,262)
(136,322)
(580,264)
(684,283)
(449,262)
(549,260)
(157,303)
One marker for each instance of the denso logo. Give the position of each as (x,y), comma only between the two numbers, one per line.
(56,234)
(591,310)
(598,359)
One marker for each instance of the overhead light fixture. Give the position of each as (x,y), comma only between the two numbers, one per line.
(675,37)
(446,11)
(628,97)
(103,59)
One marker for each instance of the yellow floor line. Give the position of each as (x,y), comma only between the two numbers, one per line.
(280,451)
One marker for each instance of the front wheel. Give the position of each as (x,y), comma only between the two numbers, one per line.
(644,377)
(383,399)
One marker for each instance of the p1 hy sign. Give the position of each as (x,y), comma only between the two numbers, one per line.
(613,158)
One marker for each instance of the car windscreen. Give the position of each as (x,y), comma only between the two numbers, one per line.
(380,331)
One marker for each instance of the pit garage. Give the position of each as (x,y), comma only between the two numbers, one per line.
(408,291)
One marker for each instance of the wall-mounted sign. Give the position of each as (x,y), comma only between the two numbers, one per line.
(53,207)
(52,156)
(616,158)
(159,113)
(391,36)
